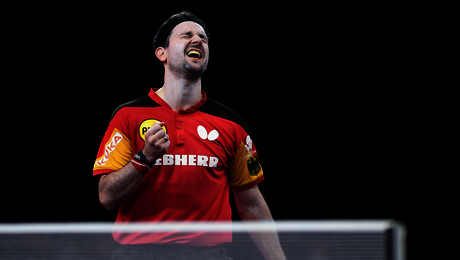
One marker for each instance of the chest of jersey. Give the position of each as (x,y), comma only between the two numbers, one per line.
(197,139)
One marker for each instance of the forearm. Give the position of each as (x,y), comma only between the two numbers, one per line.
(116,187)
(267,242)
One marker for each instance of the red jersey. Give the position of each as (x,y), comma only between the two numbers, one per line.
(210,152)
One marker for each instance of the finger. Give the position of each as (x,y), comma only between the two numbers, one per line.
(159,134)
(157,126)
(153,137)
(166,145)
(157,138)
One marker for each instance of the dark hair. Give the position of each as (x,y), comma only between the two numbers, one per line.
(162,37)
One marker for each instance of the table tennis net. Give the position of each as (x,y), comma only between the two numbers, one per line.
(314,240)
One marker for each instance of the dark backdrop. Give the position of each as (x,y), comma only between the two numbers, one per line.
(315,84)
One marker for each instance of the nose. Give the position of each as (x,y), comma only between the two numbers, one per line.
(196,39)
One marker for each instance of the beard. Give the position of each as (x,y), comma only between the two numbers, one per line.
(192,68)
(186,69)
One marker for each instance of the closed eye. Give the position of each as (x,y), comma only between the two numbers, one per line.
(189,34)
(186,35)
(203,37)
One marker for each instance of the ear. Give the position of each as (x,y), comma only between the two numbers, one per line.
(160,52)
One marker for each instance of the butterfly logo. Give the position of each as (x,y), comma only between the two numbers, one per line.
(204,134)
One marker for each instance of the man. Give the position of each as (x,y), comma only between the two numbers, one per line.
(173,154)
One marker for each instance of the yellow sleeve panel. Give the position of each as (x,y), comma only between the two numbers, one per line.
(114,154)
(245,171)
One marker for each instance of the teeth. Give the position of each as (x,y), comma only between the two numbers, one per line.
(194,53)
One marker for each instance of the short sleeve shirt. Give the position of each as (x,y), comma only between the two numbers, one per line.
(210,151)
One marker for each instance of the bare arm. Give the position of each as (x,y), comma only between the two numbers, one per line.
(116,187)
(251,206)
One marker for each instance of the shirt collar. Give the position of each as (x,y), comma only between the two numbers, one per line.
(163,103)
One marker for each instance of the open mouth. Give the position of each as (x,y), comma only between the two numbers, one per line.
(194,54)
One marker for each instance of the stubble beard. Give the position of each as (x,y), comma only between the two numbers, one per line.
(188,71)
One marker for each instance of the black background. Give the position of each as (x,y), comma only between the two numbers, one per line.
(318,85)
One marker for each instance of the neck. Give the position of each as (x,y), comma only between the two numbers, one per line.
(180,93)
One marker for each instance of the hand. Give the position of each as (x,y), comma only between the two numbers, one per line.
(156,142)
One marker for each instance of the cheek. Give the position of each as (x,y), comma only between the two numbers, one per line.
(207,54)
(176,52)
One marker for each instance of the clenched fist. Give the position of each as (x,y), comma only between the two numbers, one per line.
(156,142)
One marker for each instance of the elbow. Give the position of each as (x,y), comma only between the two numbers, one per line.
(104,196)
(106,201)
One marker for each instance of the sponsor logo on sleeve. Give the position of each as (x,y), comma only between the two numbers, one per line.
(110,147)
(249,146)
(253,162)
(253,165)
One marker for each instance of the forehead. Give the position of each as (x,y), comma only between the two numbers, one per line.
(188,26)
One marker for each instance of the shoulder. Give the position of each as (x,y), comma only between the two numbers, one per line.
(142,101)
(216,109)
